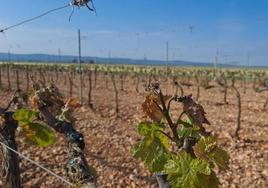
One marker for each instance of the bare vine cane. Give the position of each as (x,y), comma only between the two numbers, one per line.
(77,168)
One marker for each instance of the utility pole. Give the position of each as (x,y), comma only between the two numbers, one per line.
(167,58)
(80,67)
(109,57)
(248,59)
(59,53)
(9,56)
(145,57)
(216,62)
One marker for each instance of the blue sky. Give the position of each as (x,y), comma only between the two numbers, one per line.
(238,29)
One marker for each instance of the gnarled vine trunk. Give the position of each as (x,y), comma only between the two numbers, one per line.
(77,167)
(266,102)
(9,169)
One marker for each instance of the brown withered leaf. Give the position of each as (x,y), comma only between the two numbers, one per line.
(2,120)
(194,110)
(150,108)
(33,101)
(72,103)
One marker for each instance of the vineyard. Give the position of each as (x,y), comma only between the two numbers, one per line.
(117,100)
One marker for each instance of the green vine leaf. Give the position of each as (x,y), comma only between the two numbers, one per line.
(153,149)
(184,123)
(43,136)
(183,172)
(66,110)
(35,133)
(210,181)
(189,132)
(23,115)
(66,115)
(208,150)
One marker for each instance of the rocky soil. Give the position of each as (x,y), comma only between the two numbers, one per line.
(110,139)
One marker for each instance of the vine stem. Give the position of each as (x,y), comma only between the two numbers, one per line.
(165,112)
(166,135)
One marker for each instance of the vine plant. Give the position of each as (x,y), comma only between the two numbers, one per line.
(178,150)
(47,113)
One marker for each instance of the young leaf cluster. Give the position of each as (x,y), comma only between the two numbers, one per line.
(180,148)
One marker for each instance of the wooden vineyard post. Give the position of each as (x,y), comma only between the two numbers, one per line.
(35,75)
(238,122)
(90,89)
(244,84)
(225,90)
(42,77)
(95,74)
(137,83)
(51,75)
(8,78)
(198,86)
(0,76)
(116,94)
(122,77)
(70,84)
(106,80)
(27,78)
(17,80)
(57,73)
(80,67)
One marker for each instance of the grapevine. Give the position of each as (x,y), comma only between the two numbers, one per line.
(47,113)
(178,147)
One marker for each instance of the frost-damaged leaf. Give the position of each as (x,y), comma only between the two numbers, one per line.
(34,132)
(23,115)
(194,110)
(183,171)
(40,135)
(208,150)
(153,149)
(150,108)
(72,103)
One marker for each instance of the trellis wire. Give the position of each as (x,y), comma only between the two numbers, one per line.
(34,18)
(72,3)
(37,164)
